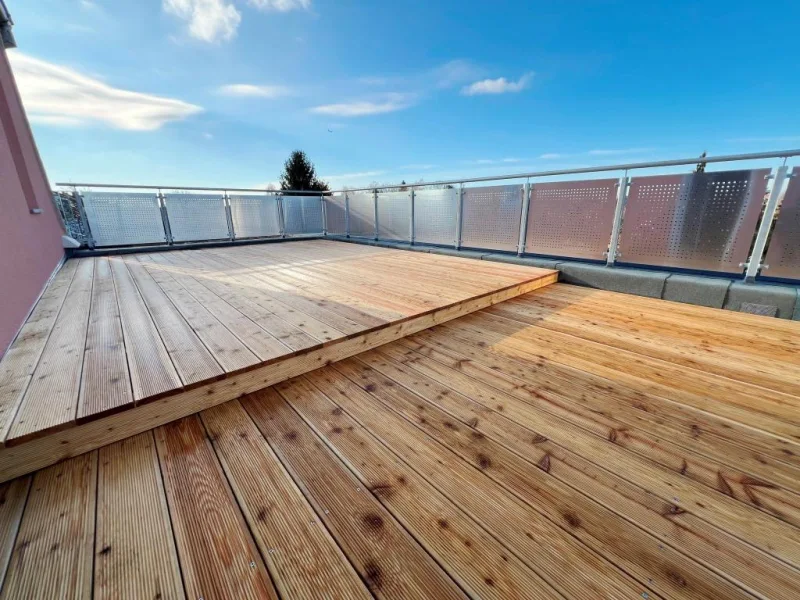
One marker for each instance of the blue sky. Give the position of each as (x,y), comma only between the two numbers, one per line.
(218,92)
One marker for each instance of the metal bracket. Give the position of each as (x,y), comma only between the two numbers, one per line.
(228,216)
(523,219)
(412,233)
(459,216)
(622,200)
(165,218)
(754,262)
(375,205)
(346,214)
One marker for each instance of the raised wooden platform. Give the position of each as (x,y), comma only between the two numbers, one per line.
(120,345)
(566,444)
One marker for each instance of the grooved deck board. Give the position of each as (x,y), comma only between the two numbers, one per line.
(106,385)
(217,554)
(53,553)
(139,340)
(134,548)
(489,457)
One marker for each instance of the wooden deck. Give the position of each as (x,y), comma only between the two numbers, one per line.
(570,443)
(122,344)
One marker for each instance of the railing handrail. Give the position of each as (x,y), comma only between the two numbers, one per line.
(599,169)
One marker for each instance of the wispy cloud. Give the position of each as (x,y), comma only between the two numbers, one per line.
(211,21)
(616,152)
(360,108)
(281,5)
(421,167)
(455,73)
(248,90)
(498,86)
(552,156)
(60,96)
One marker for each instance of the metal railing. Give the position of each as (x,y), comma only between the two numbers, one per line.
(718,222)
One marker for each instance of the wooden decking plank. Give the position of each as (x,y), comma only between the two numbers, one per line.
(302,557)
(226,348)
(240,298)
(259,341)
(661,319)
(149,364)
(135,554)
(295,299)
(13,496)
(388,559)
(704,432)
(728,513)
(191,358)
(217,554)
(479,562)
(766,485)
(21,358)
(52,557)
(288,279)
(685,532)
(105,385)
(314,327)
(660,568)
(51,399)
(547,548)
(770,373)
(732,400)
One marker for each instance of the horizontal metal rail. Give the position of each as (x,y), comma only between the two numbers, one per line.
(601,169)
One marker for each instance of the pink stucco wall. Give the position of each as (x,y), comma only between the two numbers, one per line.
(30,245)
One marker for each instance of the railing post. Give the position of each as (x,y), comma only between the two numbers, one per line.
(412,231)
(324,206)
(754,264)
(165,218)
(523,219)
(281,218)
(84,219)
(459,216)
(226,201)
(347,215)
(619,211)
(375,203)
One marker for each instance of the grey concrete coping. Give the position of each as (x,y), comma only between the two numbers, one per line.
(695,289)
(528,261)
(615,279)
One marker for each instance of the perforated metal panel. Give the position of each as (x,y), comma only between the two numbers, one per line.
(123,219)
(195,217)
(302,214)
(435,215)
(490,217)
(255,216)
(394,215)
(571,218)
(335,215)
(362,214)
(783,254)
(702,221)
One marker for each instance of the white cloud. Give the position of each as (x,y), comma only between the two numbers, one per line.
(361,108)
(552,156)
(254,91)
(455,72)
(280,5)
(56,95)
(208,136)
(618,151)
(209,20)
(497,86)
(494,161)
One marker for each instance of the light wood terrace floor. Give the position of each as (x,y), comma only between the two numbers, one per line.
(569,443)
(126,343)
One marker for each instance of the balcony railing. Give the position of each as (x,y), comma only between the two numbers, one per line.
(728,222)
